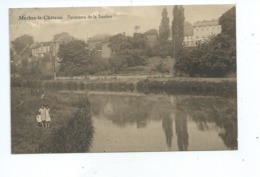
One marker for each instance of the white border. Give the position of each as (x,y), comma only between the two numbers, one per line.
(241,163)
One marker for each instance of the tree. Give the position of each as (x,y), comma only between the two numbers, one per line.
(74,58)
(215,57)
(228,23)
(178,29)
(21,42)
(127,51)
(164,29)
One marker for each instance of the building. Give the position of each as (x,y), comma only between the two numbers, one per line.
(40,49)
(151,37)
(202,31)
(101,44)
(43,48)
(106,51)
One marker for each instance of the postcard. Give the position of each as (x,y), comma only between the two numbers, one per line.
(123,79)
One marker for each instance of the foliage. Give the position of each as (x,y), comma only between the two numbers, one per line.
(74,58)
(164,29)
(215,57)
(97,63)
(77,134)
(178,29)
(162,68)
(127,51)
(21,42)
(72,124)
(30,70)
(222,88)
(77,60)
(228,23)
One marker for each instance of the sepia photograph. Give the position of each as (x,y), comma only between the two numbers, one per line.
(123,79)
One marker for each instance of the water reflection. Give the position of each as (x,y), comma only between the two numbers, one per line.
(167,127)
(200,123)
(181,130)
(221,112)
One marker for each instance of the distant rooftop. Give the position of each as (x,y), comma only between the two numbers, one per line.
(151,32)
(206,23)
(63,37)
(99,37)
(41,44)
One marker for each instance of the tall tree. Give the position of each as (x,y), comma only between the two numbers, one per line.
(164,29)
(228,22)
(177,29)
(21,42)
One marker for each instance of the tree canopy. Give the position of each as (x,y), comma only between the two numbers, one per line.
(178,29)
(164,28)
(127,51)
(21,42)
(215,57)
(74,58)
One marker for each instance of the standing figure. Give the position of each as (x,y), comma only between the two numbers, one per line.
(42,111)
(48,117)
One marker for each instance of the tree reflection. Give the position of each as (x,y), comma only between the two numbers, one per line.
(220,111)
(167,127)
(229,135)
(181,130)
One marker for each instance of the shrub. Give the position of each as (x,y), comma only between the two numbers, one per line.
(76,135)
(223,88)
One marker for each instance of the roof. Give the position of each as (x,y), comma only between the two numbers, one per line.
(205,23)
(151,32)
(41,44)
(63,37)
(99,37)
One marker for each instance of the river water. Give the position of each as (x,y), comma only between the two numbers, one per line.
(138,122)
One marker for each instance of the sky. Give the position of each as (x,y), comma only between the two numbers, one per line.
(124,19)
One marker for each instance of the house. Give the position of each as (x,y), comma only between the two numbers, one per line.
(151,37)
(101,44)
(40,49)
(43,48)
(201,31)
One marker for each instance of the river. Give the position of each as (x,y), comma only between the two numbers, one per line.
(139,122)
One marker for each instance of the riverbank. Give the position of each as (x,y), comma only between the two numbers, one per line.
(224,87)
(27,137)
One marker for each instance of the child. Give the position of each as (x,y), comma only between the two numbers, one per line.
(48,117)
(42,111)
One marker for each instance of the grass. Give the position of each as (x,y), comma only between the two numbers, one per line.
(65,109)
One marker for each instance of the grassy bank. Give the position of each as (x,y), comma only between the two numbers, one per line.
(174,87)
(224,87)
(67,111)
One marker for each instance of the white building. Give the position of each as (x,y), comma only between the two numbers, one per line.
(202,31)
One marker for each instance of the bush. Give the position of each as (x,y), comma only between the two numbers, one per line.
(75,136)
(223,88)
